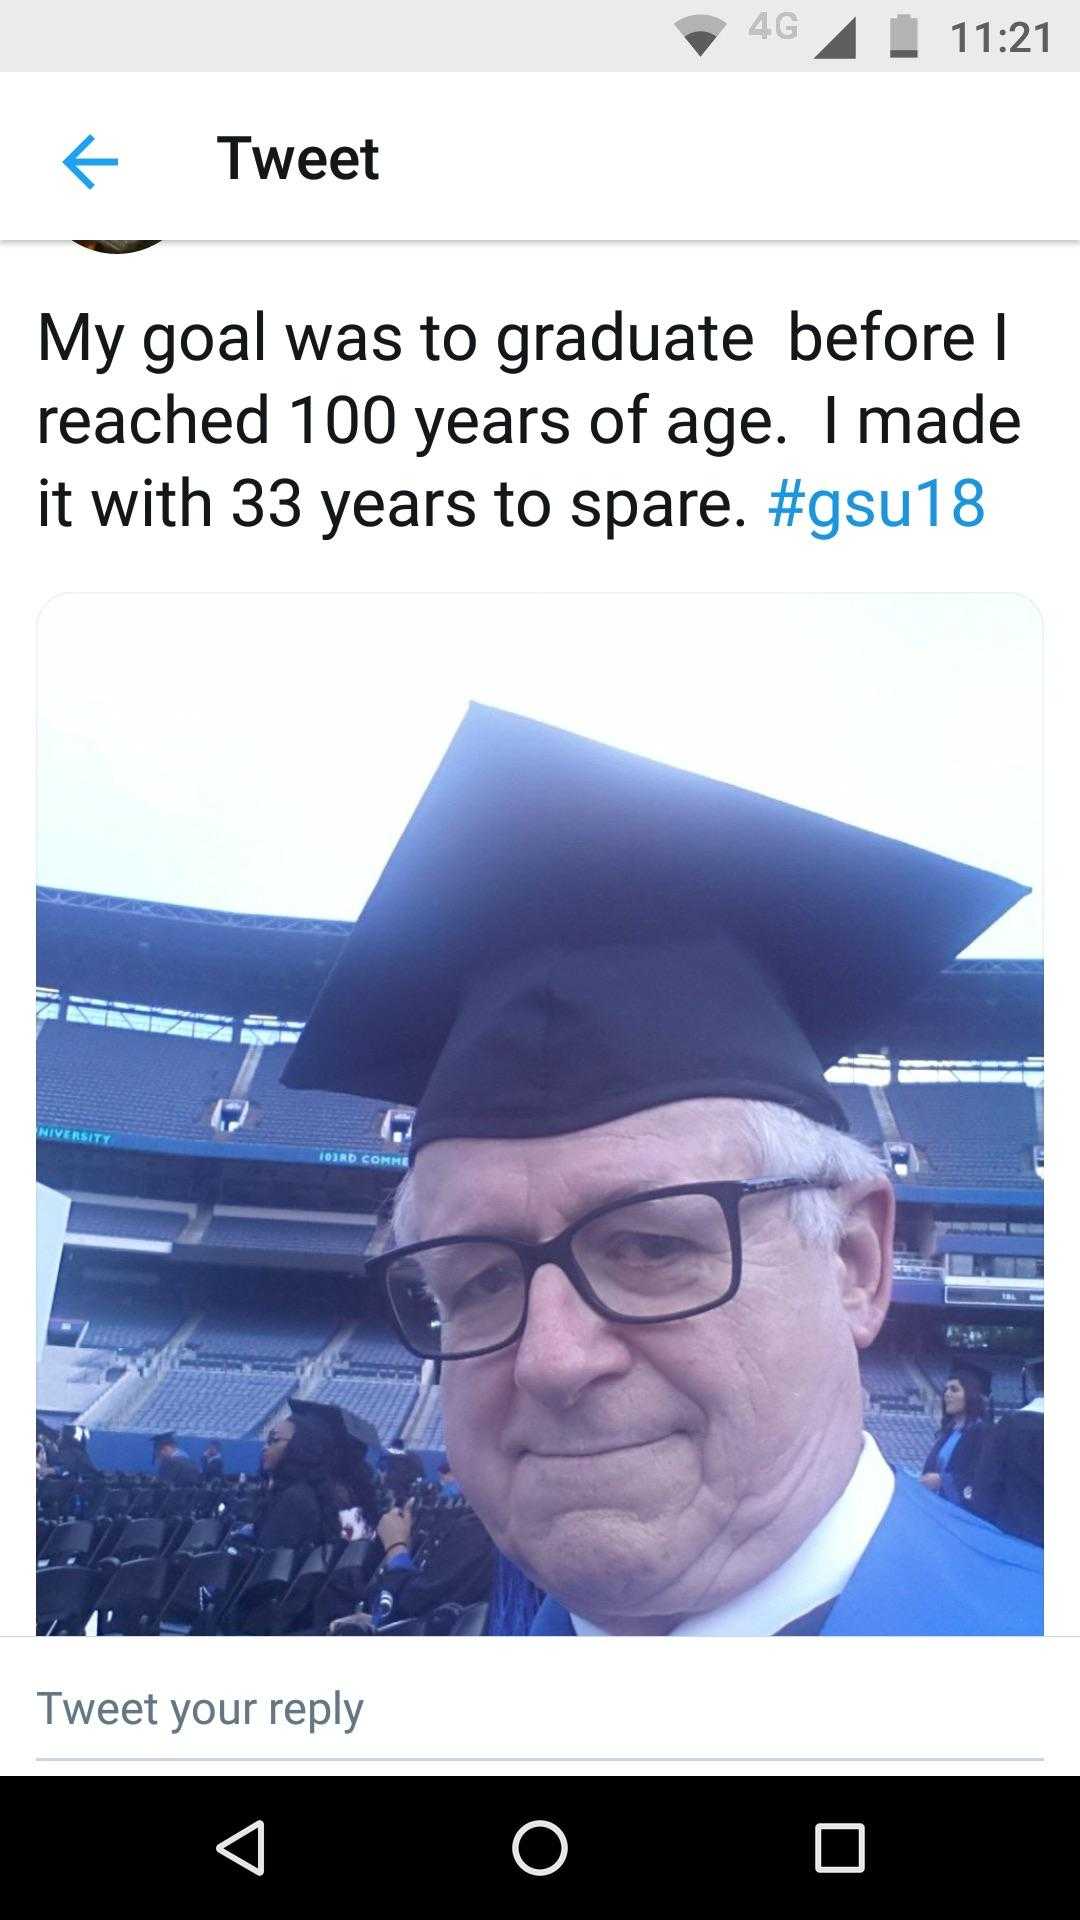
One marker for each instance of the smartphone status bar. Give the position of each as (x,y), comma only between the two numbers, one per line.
(620,36)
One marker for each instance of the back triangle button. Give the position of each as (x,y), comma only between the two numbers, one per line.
(251,1856)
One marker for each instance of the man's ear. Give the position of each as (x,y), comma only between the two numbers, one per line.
(865,1253)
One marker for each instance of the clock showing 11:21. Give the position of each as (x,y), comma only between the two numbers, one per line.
(1020,36)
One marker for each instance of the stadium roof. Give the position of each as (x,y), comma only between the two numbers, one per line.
(203,960)
(154,954)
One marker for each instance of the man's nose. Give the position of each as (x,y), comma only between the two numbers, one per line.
(565,1346)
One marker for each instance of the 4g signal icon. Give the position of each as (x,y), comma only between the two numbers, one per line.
(784,25)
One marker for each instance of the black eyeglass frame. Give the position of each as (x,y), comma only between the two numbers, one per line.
(559,1252)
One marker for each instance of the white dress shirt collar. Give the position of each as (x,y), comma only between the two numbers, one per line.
(817,1571)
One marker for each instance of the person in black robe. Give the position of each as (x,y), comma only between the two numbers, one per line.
(448,1560)
(305,1495)
(402,1471)
(172,1464)
(952,1463)
(1008,1488)
(317,1473)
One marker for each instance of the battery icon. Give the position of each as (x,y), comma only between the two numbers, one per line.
(903,37)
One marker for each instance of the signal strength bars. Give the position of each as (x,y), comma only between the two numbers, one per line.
(843,45)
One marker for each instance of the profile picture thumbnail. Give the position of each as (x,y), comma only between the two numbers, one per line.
(117,246)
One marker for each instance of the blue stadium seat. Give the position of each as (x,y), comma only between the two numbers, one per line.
(287,1117)
(277,1236)
(970,1134)
(123,1320)
(859,1111)
(385,1401)
(126,1223)
(268,1332)
(218,1400)
(905,1439)
(113,1079)
(373,1345)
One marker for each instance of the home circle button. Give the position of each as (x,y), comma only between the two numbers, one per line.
(539,1848)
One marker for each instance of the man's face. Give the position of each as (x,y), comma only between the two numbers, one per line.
(649,1472)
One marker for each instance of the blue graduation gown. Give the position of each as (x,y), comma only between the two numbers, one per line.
(931,1568)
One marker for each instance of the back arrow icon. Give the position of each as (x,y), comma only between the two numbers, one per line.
(227,1847)
(78,158)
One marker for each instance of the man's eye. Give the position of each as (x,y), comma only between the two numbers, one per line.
(478,1288)
(646,1248)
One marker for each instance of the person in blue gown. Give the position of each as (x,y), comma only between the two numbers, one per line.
(636,1233)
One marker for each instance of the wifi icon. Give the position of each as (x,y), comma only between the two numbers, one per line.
(701,29)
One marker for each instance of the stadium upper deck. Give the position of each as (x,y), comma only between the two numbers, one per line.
(160,1027)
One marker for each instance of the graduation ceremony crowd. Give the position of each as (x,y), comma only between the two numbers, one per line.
(335,1536)
(339,1537)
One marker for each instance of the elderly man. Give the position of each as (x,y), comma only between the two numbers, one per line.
(634,1232)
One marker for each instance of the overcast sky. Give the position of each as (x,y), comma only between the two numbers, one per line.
(263,754)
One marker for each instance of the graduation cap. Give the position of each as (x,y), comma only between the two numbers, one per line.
(341,1425)
(566,933)
(163,1440)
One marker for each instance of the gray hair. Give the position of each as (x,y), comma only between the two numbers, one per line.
(785,1146)
(788,1146)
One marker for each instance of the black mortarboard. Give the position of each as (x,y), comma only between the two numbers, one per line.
(164,1440)
(566,933)
(338,1421)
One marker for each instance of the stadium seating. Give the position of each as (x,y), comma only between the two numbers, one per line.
(859,1110)
(68,1545)
(123,1080)
(970,1134)
(281,1236)
(904,1438)
(386,1402)
(214,1400)
(66,1597)
(131,1600)
(121,1321)
(266,1333)
(112,1079)
(283,1116)
(430,1436)
(888,1379)
(126,1223)
(202,1593)
(372,1345)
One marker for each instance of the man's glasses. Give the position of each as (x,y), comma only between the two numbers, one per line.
(663,1255)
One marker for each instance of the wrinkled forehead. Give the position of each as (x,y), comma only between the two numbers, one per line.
(532,1188)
